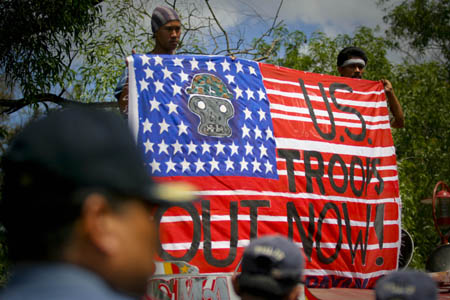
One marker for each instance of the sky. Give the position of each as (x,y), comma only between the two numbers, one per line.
(330,16)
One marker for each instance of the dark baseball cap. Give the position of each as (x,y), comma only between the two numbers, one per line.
(406,285)
(85,148)
(271,265)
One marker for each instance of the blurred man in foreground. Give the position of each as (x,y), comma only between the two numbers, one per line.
(166,28)
(271,269)
(77,206)
(406,285)
(351,63)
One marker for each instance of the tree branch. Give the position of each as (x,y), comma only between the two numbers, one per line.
(13,105)
(220,26)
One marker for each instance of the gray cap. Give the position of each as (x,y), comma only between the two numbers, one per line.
(406,285)
(162,15)
(272,265)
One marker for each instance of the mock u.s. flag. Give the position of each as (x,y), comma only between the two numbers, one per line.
(271,151)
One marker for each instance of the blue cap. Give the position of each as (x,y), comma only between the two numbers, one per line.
(406,285)
(271,264)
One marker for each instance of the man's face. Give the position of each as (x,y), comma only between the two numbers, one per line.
(135,231)
(352,70)
(168,36)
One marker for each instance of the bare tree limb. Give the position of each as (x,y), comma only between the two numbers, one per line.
(219,25)
(13,105)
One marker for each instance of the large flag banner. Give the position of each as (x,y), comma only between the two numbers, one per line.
(271,151)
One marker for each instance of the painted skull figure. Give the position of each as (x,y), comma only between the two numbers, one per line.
(210,101)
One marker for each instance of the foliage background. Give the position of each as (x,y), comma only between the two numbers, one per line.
(74,55)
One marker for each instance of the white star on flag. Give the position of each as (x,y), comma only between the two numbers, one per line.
(158,60)
(154,104)
(178,62)
(177,147)
(239,67)
(262,114)
(148,73)
(148,146)
(159,86)
(225,65)
(230,78)
(191,147)
(245,131)
(261,94)
(214,165)
(144,85)
(172,107)
(229,164)
(247,113)
(194,64)
(199,166)
(185,165)
(249,93)
(238,92)
(248,149)
(145,60)
(155,166)
(182,128)
(147,126)
(163,126)
(163,147)
(256,166)
(258,132)
(269,167)
(205,147)
(170,165)
(244,164)
(211,66)
(167,73)
(234,149)
(252,70)
(184,76)
(263,151)
(269,134)
(219,148)
(176,89)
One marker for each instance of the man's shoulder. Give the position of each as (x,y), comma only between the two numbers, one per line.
(59,282)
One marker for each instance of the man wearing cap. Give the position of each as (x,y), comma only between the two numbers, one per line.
(77,206)
(406,285)
(166,28)
(351,63)
(271,269)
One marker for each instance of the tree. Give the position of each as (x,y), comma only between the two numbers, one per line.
(424,25)
(423,148)
(76,49)
(38,42)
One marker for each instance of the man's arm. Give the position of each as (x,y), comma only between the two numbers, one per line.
(123,99)
(394,105)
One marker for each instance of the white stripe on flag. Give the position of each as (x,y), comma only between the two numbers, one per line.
(316,87)
(244,243)
(356,178)
(324,147)
(324,113)
(267,218)
(327,122)
(302,196)
(314,162)
(320,99)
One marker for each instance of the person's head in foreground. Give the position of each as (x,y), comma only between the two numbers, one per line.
(351,62)
(77,205)
(166,28)
(406,285)
(271,269)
